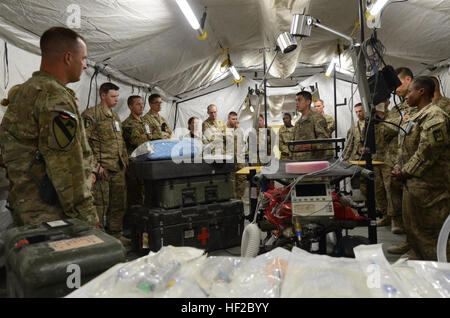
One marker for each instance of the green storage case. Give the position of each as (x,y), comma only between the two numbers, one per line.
(44,261)
(174,193)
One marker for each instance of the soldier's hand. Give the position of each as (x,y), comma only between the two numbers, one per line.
(101,172)
(94,178)
(397,174)
(362,150)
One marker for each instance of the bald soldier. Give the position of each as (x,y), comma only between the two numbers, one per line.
(159,127)
(43,141)
(424,169)
(104,132)
(213,131)
(310,126)
(135,132)
(439,100)
(286,134)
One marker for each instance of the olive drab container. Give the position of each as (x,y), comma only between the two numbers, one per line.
(54,258)
(206,226)
(174,193)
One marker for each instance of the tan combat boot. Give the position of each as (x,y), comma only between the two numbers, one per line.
(399,249)
(384,221)
(397,226)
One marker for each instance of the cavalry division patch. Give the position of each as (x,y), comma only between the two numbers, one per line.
(64,129)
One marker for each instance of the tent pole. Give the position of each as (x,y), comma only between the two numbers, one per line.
(265,87)
(265,100)
(176,115)
(361,20)
(335,105)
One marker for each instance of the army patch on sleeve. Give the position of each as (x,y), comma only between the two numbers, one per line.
(64,129)
(438,136)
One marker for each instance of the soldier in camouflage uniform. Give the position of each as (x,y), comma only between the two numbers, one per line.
(310,126)
(159,127)
(382,172)
(43,140)
(286,134)
(439,100)
(355,136)
(318,107)
(235,147)
(396,117)
(354,147)
(104,132)
(135,132)
(213,132)
(423,167)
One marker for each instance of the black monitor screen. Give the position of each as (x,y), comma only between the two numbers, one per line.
(310,190)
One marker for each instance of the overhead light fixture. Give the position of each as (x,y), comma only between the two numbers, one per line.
(333,63)
(377,6)
(286,42)
(192,19)
(237,77)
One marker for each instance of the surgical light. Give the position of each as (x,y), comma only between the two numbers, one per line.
(377,7)
(190,16)
(301,25)
(286,42)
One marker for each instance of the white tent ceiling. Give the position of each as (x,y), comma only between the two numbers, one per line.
(149,42)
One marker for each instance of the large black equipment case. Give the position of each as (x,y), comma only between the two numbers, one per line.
(209,226)
(41,259)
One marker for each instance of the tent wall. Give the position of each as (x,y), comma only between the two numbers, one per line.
(22,64)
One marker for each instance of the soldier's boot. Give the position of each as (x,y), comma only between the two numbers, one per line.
(397,225)
(411,255)
(384,221)
(399,249)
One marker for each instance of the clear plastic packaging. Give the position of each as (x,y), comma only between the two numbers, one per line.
(436,274)
(415,285)
(259,277)
(320,276)
(382,281)
(147,276)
